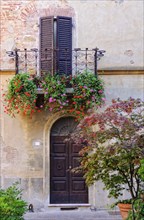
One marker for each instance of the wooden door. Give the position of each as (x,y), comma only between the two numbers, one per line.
(65,185)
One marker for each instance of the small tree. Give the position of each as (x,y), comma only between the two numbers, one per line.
(113,146)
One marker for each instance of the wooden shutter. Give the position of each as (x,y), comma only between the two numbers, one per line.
(64,45)
(46,44)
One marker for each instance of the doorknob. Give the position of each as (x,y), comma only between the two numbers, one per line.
(70,167)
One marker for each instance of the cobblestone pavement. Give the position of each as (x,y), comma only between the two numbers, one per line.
(73,215)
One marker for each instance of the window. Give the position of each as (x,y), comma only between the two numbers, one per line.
(56,45)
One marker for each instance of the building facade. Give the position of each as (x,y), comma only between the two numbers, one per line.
(26,144)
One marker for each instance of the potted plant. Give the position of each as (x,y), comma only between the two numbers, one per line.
(113,147)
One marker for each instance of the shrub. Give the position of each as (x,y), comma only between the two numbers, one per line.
(12,207)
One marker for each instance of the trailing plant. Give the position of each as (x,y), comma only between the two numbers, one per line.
(21,96)
(88,91)
(12,206)
(54,88)
(113,147)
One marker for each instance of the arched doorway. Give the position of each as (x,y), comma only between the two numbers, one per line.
(65,186)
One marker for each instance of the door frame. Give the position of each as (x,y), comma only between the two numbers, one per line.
(51,119)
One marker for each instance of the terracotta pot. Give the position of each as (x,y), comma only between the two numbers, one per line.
(124,209)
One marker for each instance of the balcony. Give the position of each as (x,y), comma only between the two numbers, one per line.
(30,61)
(36,87)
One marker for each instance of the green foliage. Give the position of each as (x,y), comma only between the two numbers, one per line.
(54,92)
(113,146)
(88,92)
(20,96)
(12,207)
(137,212)
(141,170)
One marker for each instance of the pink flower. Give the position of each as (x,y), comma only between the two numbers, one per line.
(50,99)
(104,99)
(100,91)
(93,98)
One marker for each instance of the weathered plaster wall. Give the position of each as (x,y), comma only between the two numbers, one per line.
(22,161)
(114,25)
(117,27)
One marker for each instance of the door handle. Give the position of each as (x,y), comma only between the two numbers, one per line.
(69,168)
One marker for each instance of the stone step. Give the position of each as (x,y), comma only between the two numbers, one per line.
(71,218)
(72,215)
(98,218)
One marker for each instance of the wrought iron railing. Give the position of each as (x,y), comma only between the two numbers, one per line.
(82,59)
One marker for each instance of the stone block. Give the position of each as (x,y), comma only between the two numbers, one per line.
(37,186)
(9,181)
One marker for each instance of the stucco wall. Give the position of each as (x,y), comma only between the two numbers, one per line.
(29,164)
(116,26)
(113,25)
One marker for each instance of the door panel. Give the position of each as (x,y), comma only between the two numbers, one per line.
(58,172)
(66,186)
(78,189)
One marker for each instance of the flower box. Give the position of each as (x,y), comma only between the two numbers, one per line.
(29,94)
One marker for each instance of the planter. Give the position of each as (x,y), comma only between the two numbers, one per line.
(124,209)
(40,91)
(28,94)
(40,100)
(40,97)
(68,91)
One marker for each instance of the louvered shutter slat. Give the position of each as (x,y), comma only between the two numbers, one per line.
(46,44)
(64,45)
